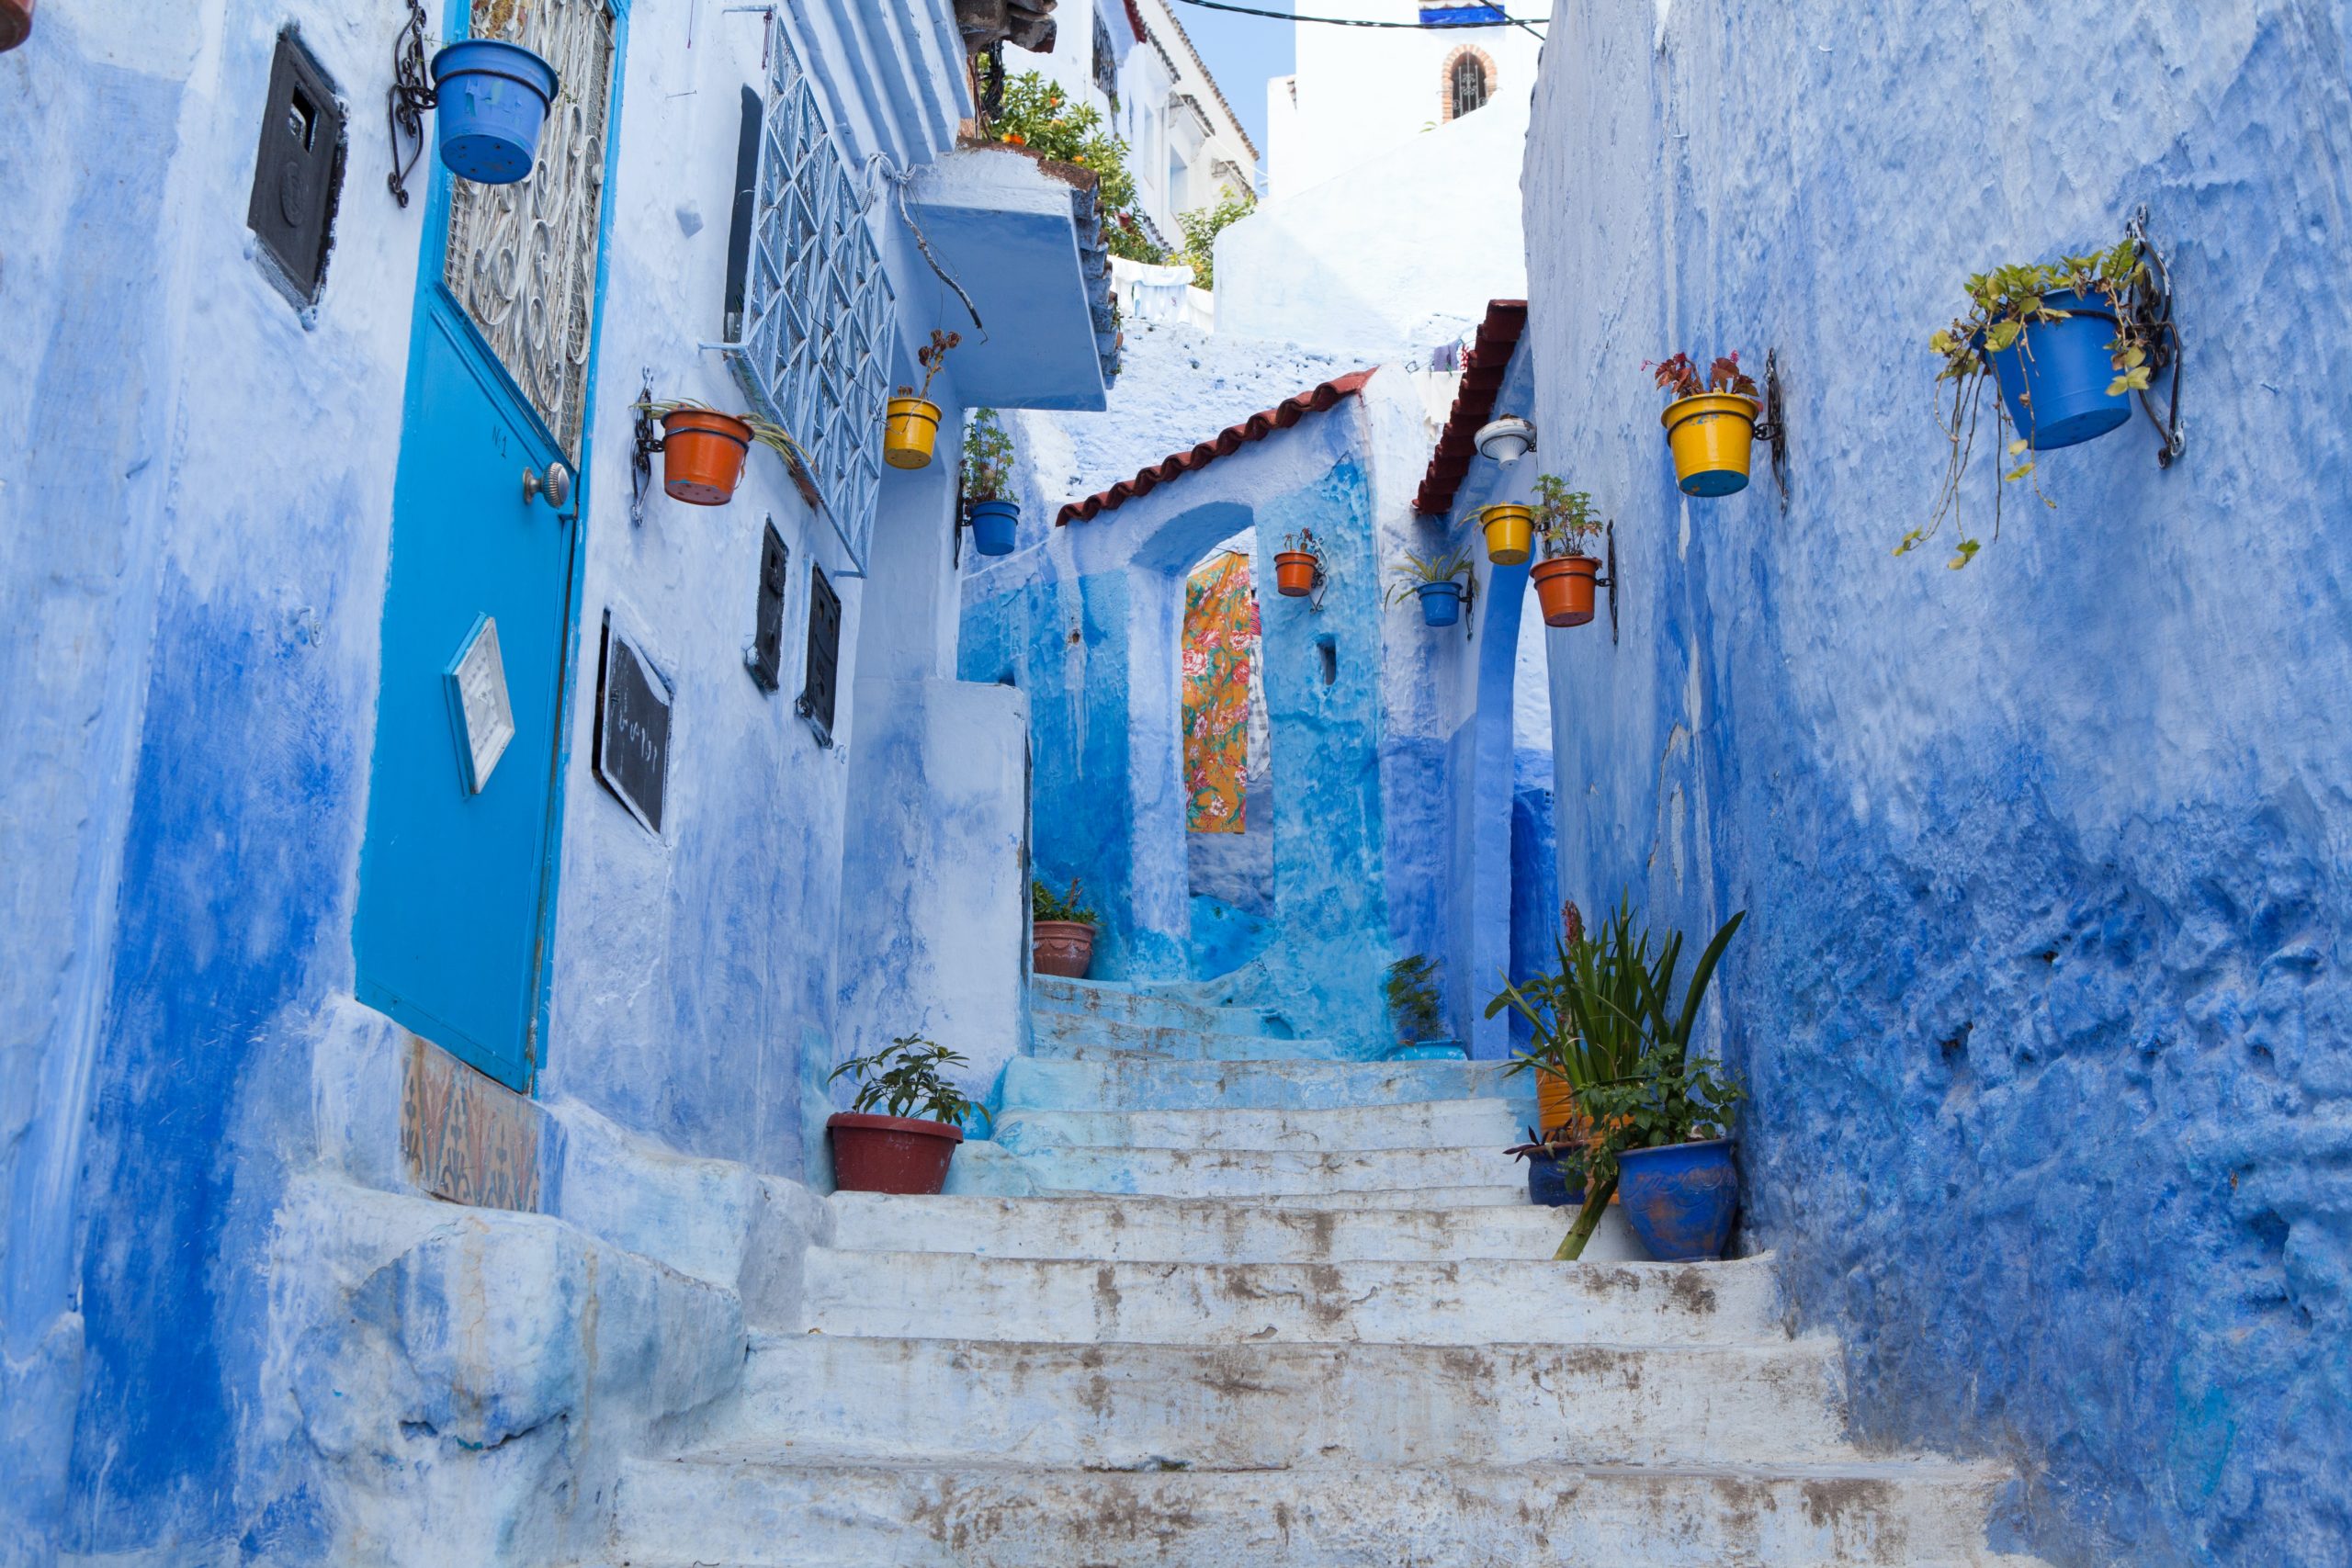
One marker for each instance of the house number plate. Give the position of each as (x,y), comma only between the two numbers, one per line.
(482,716)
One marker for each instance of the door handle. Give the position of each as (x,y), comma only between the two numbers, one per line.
(555,486)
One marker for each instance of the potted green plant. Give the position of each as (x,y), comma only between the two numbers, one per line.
(1061,930)
(1668,1129)
(2068,352)
(1564,577)
(1710,424)
(703,449)
(1418,1012)
(1602,1020)
(911,422)
(988,483)
(906,1147)
(1437,580)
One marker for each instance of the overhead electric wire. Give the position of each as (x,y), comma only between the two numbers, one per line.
(1356,22)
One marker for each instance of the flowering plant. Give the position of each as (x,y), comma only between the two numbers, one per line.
(1679,376)
(933,358)
(987,457)
(1564,517)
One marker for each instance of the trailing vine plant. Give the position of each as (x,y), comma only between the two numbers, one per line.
(2001,304)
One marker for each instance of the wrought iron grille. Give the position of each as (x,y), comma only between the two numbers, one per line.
(523,258)
(813,350)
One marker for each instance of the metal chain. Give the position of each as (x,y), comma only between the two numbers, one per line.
(411,96)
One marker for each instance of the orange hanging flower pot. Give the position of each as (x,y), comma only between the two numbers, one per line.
(1294,573)
(1564,588)
(702,456)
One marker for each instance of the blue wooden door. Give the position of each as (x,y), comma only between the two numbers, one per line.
(455,876)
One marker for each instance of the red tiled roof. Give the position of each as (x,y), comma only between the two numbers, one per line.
(1474,404)
(1231,439)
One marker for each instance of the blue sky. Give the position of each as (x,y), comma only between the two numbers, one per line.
(1241,53)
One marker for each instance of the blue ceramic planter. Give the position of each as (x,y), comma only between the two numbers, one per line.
(2055,376)
(1440,603)
(494,100)
(1429,1051)
(1548,1184)
(1680,1198)
(993,526)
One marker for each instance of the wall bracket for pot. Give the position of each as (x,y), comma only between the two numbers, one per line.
(1469,608)
(643,444)
(1773,428)
(2150,312)
(1309,547)
(1610,583)
(410,96)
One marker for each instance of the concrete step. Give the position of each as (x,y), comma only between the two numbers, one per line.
(1123,1082)
(1250,1173)
(1166,1004)
(1269,1406)
(732,1511)
(945,1295)
(1177,1230)
(1077,1037)
(1422,1124)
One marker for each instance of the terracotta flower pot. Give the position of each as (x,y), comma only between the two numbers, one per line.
(702,456)
(910,427)
(890,1154)
(1294,575)
(16,23)
(1563,587)
(1062,947)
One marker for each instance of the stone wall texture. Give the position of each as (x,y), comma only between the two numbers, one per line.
(2044,994)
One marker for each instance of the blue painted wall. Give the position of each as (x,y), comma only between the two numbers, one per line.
(2043,993)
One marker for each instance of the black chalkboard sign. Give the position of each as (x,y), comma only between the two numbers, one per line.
(632,726)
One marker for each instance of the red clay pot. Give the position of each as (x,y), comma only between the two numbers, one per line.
(16,23)
(1563,587)
(1294,573)
(890,1154)
(702,456)
(1062,947)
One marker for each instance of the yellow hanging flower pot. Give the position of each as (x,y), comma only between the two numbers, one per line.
(1711,423)
(1510,534)
(911,422)
(909,432)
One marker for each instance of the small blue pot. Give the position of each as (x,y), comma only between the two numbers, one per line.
(1440,603)
(1548,1184)
(2055,378)
(494,101)
(1428,1051)
(993,524)
(1680,1198)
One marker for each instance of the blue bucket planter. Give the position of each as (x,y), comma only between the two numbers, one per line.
(1440,603)
(2055,376)
(994,523)
(1428,1051)
(1548,1184)
(493,100)
(1679,1198)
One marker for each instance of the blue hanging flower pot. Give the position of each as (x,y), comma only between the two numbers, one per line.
(2055,378)
(994,524)
(1440,603)
(492,99)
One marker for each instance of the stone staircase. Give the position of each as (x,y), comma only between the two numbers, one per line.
(1280,1311)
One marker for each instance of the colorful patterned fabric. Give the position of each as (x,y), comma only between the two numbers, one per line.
(1220,640)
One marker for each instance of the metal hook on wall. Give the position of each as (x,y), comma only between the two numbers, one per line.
(642,445)
(1610,582)
(1773,428)
(2150,310)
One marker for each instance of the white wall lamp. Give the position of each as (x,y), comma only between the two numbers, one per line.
(1506,440)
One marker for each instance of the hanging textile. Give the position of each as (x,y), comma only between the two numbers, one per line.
(1220,642)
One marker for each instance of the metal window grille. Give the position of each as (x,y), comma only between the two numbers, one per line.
(813,350)
(1469,85)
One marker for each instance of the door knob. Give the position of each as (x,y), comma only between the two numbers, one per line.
(555,485)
